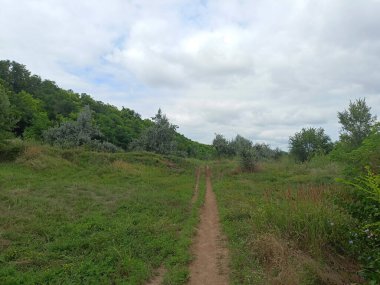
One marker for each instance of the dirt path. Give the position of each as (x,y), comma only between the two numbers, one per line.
(211,256)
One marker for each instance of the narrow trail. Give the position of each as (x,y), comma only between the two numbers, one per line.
(211,256)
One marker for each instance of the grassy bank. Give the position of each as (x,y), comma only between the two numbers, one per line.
(283,225)
(76,217)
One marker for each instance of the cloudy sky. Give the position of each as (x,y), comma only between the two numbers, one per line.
(260,68)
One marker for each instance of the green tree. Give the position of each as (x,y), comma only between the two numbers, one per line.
(5,113)
(356,123)
(74,133)
(309,142)
(15,74)
(32,120)
(222,146)
(248,159)
(240,144)
(159,138)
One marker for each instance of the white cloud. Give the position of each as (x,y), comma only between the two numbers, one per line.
(263,69)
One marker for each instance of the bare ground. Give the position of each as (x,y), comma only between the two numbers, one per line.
(210,265)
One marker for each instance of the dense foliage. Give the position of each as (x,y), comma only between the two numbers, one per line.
(159,138)
(362,177)
(29,106)
(81,132)
(356,123)
(5,113)
(308,143)
(249,154)
(222,146)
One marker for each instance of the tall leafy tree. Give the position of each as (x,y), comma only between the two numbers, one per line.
(32,120)
(309,142)
(356,123)
(15,74)
(240,144)
(6,121)
(222,146)
(160,137)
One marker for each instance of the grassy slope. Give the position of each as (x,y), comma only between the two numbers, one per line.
(282,224)
(72,217)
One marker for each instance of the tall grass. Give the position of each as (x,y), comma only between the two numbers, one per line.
(305,215)
(283,225)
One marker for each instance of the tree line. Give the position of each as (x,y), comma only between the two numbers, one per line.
(248,153)
(357,124)
(35,109)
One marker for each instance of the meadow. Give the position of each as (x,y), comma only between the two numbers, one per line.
(283,223)
(79,217)
(72,216)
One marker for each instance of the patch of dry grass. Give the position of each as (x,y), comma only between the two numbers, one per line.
(286,265)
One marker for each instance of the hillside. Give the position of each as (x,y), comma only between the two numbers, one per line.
(38,104)
(93,194)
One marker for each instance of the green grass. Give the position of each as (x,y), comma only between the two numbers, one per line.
(75,217)
(282,223)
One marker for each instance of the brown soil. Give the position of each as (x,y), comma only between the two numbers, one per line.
(210,265)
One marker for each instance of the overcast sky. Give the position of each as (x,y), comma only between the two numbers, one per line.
(260,68)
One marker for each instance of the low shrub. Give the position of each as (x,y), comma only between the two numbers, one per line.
(364,205)
(10,149)
(103,146)
(248,160)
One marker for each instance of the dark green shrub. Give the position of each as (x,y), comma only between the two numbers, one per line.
(248,159)
(158,138)
(222,146)
(308,143)
(365,239)
(77,133)
(10,149)
(103,146)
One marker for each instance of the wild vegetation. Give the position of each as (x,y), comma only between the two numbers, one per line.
(79,217)
(91,193)
(311,217)
(30,106)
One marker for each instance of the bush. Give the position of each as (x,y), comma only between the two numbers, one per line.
(79,133)
(365,239)
(248,159)
(103,146)
(10,149)
(158,138)
(308,143)
(222,146)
